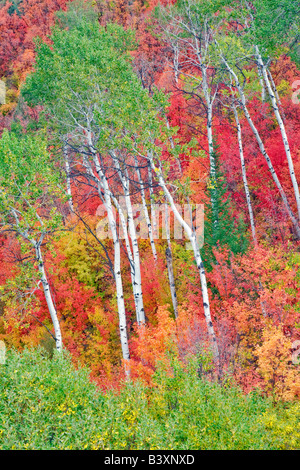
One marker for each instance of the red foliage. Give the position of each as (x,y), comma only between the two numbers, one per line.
(18,31)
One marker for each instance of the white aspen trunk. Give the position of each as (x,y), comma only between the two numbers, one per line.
(152,205)
(263,151)
(148,221)
(136,273)
(213,176)
(117,254)
(69,191)
(130,258)
(209,104)
(211,143)
(262,84)
(246,188)
(193,239)
(118,278)
(282,130)
(120,298)
(212,171)
(48,297)
(274,88)
(169,259)
(176,62)
(136,255)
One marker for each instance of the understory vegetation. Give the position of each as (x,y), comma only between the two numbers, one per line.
(47,403)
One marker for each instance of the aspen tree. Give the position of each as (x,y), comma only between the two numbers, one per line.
(29,187)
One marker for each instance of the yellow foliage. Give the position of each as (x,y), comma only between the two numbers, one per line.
(7,108)
(275,365)
(285,426)
(284,88)
(81,258)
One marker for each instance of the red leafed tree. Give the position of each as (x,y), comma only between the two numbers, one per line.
(13,31)
(17,32)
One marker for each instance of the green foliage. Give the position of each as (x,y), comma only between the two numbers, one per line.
(276,24)
(96,88)
(28,185)
(273,26)
(295,54)
(15,7)
(283,426)
(220,227)
(47,404)
(29,192)
(41,407)
(99,79)
(78,11)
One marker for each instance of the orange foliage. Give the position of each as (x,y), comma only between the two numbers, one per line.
(256,291)
(152,344)
(281,377)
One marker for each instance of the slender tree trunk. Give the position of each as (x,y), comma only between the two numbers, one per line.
(169,259)
(120,300)
(148,221)
(48,297)
(274,88)
(211,144)
(193,239)
(262,84)
(263,150)
(175,48)
(282,130)
(117,255)
(137,281)
(246,188)
(123,221)
(211,151)
(118,279)
(136,256)
(67,165)
(152,205)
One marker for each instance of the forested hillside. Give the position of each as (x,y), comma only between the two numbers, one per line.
(149,224)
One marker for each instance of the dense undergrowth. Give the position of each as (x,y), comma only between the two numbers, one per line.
(46,403)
